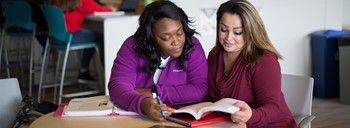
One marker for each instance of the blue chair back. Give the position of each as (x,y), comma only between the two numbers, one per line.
(56,23)
(17,14)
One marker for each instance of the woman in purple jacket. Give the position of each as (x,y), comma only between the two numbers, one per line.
(163,56)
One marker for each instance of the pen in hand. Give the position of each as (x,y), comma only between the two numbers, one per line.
(160,103)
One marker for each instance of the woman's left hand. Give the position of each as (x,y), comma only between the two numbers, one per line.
(243,115)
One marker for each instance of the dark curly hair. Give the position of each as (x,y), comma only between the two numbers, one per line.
(146,46)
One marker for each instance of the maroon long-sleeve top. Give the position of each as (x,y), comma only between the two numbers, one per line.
(258,85)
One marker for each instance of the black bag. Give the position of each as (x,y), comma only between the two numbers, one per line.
(30,110)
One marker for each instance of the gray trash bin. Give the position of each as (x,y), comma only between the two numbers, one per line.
(344,69)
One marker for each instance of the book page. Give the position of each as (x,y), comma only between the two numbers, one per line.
(109,14)
(98,105)
(197,110)
(193,109)
(223,105)
(120,111)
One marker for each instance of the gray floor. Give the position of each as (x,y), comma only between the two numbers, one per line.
(330,113)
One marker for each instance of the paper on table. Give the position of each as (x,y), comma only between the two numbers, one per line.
(109,14)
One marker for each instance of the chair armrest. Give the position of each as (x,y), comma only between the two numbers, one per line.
(306,121)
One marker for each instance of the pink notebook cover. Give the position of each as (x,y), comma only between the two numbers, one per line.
(59,111)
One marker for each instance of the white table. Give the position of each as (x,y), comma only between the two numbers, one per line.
(115,29)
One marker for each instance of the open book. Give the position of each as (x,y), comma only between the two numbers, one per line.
(197,110)
(90,106)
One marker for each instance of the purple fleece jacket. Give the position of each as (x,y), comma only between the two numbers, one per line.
(174,85)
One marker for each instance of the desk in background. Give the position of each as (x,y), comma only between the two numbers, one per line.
(115,30)
(48,121)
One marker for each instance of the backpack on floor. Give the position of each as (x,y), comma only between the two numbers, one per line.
(31,110)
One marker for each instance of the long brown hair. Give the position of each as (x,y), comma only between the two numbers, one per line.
(254,32)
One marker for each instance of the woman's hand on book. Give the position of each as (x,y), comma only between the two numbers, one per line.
(243,115)
(153,110)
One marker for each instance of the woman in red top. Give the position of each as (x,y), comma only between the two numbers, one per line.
(244,65)
(75,12)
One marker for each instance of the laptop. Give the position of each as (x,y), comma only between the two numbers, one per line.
(126,7)
(10,99)
(129,6)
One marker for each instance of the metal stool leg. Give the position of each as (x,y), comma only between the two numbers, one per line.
(99,74)
(63,73)
(2,46)
(31,70)
(43,70)
(7,62)
(56,76)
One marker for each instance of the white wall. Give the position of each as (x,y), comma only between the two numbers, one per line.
(288,22)
(203,13)
(346,16)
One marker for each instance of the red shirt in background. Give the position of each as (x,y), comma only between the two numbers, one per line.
(74,19)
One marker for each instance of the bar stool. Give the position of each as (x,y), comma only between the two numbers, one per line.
(57,31)
(18,23)
(2,20)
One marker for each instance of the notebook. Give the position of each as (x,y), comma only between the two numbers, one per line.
(117,112)
(90,106)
